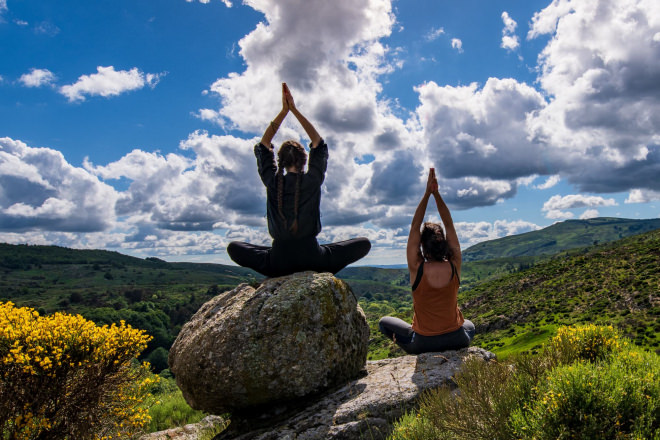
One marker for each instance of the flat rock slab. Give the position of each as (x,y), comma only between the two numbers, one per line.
(364,407)
(205,427)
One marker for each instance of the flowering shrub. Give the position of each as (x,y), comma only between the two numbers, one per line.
(586,342)
(62,376)
(587,383)
(617,399)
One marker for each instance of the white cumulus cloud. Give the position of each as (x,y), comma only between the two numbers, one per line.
(642,196)
(37,78)
(601,68)
(40,190)
(434,34)
(576,201)
(226,2)
(556,206)
(330,55)
(589,213)
(550,182)
(109,82)
(468,133)
(457,44)
(509,38)
(176,193)
(471,233)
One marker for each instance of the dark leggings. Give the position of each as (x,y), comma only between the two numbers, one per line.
(414,343)
(287,257)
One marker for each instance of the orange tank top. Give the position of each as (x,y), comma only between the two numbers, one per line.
(436,309)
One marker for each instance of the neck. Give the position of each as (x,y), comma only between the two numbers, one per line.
(291,170)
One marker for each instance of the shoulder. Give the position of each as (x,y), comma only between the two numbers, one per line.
(416,275)
(261,148)
(321,148)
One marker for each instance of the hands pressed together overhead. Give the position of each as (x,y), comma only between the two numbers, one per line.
(289,105)
(432,183)
(287,98)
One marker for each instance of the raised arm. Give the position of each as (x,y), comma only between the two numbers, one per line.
(306,125)
(450,231)
(413,252)
(275,123)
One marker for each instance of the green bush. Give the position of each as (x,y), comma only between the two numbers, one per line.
(586,342)
(488,392)
(415,427)
(617,399)
(587,383)
(168,409)
(158,359)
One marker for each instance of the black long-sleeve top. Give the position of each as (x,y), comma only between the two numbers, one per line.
(309,206)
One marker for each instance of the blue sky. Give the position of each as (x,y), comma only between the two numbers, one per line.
(129,125)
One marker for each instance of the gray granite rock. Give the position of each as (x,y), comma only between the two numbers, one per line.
(291,337)
(206,427)
(363,408)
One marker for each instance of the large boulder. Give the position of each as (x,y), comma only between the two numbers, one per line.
(291,337)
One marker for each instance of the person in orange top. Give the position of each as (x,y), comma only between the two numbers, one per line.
(434,262)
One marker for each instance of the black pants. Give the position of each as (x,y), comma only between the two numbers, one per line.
(287,257)
(414,343)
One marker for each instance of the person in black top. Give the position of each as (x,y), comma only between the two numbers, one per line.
(293,207)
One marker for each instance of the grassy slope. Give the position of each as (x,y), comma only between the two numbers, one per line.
(513,313)
(617,284)
(524,299)
(559,237)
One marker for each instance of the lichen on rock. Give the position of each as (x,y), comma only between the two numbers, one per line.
(291,337)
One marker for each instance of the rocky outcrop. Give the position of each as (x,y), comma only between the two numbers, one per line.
(205,428)
(363,408)
(291,337)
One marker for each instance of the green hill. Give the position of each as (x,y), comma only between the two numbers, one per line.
(515,301)
(523,300)
(491,259)
(617,283)
(106,287)
(559,237)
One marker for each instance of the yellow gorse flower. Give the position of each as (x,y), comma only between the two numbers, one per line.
(590,342)
(46,362)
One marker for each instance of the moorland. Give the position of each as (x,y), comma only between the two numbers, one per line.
(517,289)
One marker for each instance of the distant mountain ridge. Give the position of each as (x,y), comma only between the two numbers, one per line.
(553,239)
(559,237)
(22,255)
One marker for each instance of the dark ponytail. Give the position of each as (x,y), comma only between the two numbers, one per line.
(291,153)
(280,189)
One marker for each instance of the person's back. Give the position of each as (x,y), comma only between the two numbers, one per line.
(434,263)
(294,195)
(293,207)
(438,274)
(435,299)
